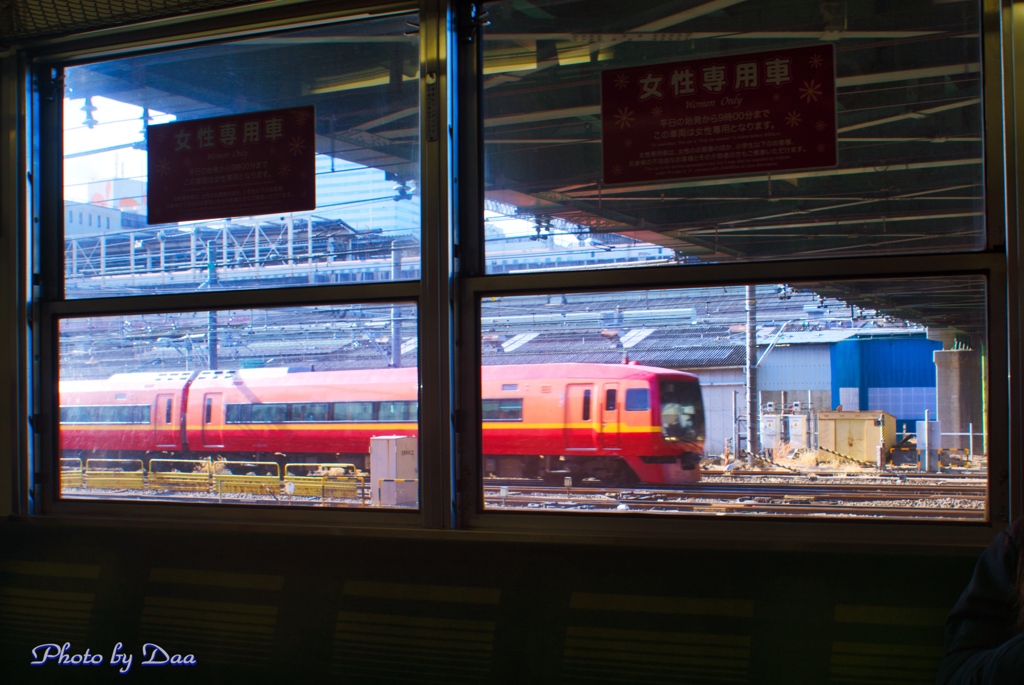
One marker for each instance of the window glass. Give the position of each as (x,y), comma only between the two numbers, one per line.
(397,411)
(503,410)
(638,399)
(269,413)
(610,400)
(361,80)
(250,421)
(853,398)
(310,411)
(680,132)
(353,411)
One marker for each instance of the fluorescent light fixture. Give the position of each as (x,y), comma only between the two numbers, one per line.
(360,79)
(520,57)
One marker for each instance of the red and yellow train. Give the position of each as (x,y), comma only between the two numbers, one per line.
(617,423)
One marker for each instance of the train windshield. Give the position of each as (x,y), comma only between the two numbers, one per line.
(682,411)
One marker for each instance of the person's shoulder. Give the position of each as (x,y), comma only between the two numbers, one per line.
(1015,532)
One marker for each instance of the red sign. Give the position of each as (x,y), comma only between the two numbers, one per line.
(740,114)
(239,165)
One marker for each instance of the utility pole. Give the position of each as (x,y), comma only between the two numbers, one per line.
(396,319)
(753,418)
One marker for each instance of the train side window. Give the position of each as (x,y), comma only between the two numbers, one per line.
(269,413)
(586,405)
(208,413)
(140,414)
(638,399)
(107,415)
(78,414)
(398,411)
(387,411)
(167,412)
(309,411)
(610,399)
(353,411)
(506,409)
(235,413)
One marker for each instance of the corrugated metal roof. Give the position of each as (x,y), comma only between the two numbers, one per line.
(833,335)
(660,348)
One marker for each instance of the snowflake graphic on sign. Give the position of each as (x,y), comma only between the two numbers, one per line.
(810,91)
(624,118)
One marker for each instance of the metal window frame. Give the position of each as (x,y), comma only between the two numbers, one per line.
(449,293)
(42,112)
(999,262)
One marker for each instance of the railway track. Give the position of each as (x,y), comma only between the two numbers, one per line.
(921,498)
(746,508)
(943,500)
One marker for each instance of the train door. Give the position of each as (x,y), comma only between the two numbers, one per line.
(580,415)
(213,413)
(610,416)
(163,426)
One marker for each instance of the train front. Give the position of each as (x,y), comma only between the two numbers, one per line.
(680,445)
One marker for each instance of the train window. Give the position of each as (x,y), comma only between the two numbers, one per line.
(680,152)
(269,413)
(78,414)
(263,394)
(397,411)
(361,80)
(110,415)
(237,413)
(311,411)
(167,411)
(872,394)
(505,409)
(682,415)
(353,411)
(140,414)
(105,414)
(638,399)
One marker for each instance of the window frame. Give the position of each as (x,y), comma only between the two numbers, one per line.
(999,262)
(454,281)
(48,305)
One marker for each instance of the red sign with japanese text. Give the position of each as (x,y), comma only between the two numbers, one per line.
(739,114)
(239,165)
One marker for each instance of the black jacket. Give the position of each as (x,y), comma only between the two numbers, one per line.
(982,645)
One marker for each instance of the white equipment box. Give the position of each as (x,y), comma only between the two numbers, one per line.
(394,471)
